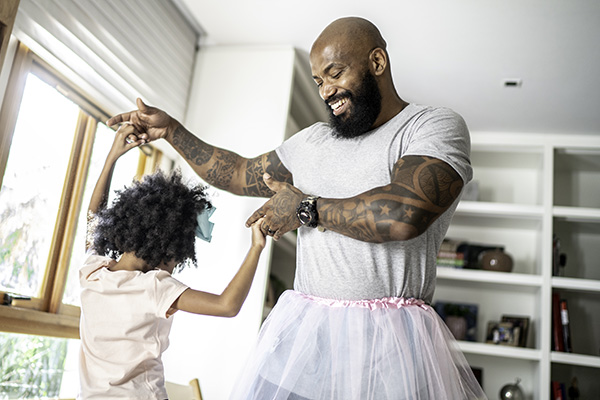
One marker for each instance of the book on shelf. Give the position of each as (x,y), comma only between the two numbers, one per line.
(557,331)
(556,391)
(566,326)
(462,254)
(450,259)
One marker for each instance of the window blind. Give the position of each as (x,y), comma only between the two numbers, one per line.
(115,50)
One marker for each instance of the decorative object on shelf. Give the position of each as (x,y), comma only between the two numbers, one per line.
(503,333)
(461,319)
(496,260)
(559,260)
(573,391)
(512,391)
(519,322)
(472,253)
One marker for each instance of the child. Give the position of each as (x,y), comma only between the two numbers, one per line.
(127,292)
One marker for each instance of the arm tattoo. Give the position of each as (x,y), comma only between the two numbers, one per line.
(192,148)
(255,168)
(422,188)
(221,170)
(218,167)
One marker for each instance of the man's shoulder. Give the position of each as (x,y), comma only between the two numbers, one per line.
(422,109)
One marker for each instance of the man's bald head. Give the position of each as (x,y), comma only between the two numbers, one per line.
(354,33)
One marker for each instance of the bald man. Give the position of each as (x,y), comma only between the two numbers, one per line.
(372,193)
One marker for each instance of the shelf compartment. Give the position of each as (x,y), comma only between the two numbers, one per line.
(587,376)
(576,177)
(519,232)
(492,304)
(499,370)
(579,242)
(584,320)
(508,176)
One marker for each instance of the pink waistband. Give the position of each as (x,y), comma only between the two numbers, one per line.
(372,304)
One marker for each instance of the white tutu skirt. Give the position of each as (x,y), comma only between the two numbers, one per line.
(318,349)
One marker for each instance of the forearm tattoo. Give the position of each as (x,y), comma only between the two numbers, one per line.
(422,189)
(218,167)
(192,148)
(256,168)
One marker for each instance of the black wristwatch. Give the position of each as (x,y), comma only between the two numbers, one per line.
(307,212)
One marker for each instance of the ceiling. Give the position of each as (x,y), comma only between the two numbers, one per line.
(453,53)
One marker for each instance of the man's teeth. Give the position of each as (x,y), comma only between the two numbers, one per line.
(338,104)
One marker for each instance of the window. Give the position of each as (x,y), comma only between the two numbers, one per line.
(52,141)
(52,149)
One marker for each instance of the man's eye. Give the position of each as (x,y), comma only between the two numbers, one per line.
(337,75)
(319,84)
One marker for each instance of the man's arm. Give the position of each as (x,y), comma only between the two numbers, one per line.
(225,169)
(422,189)
(218,167)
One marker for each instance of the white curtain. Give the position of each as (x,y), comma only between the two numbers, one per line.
(115,50)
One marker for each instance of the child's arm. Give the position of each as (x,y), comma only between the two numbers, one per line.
(228,303)
(120,146)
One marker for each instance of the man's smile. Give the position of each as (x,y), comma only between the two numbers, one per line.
(338,106)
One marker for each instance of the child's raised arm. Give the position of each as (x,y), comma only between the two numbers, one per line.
(121,145)
(228,303)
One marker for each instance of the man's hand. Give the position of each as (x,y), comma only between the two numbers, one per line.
(151,122)
(280,211)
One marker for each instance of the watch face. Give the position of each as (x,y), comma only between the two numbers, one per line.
(304,217)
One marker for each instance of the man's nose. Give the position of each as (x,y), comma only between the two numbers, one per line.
(327,91)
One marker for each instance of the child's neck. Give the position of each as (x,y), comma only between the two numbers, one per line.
(129,262)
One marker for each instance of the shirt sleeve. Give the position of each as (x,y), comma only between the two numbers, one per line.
(443,134)
(168,289)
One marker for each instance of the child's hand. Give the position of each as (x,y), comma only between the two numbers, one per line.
(125,140)
(258,238)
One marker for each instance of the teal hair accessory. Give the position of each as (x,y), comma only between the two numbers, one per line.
(205,227)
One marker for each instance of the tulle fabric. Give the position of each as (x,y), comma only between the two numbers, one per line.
(318,349)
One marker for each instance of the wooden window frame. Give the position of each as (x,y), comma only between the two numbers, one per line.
(47,315)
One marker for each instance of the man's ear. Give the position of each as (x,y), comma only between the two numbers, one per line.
(378,60)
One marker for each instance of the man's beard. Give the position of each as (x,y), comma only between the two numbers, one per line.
(364,110)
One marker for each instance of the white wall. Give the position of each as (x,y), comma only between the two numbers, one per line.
(239,101)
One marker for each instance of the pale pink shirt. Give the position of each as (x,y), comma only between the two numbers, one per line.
(124,330)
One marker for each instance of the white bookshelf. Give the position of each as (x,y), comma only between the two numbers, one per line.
(533,186)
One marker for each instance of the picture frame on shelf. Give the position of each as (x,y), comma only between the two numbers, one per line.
(520,322)
(503,333)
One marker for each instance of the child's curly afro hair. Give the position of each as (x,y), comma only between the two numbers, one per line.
(155,218)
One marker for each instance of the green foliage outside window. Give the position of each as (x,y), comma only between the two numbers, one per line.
(31,366)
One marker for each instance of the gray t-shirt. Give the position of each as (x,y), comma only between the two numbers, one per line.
(335,266)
